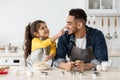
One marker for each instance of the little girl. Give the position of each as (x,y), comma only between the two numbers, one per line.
(37,43)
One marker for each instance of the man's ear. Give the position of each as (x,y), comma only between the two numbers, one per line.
(80,24)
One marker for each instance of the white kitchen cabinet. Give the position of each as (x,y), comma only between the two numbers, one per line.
(11,59)
(102,7)
(115,61)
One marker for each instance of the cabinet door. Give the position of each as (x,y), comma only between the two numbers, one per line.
(11,61)
(102,7)
(115,61)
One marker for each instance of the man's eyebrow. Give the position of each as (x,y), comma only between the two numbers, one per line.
(68,22)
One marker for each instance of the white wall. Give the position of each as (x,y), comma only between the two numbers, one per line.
(16,14)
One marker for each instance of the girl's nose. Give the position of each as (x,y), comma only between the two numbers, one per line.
(46,29)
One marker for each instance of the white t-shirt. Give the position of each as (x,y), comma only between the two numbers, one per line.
(81,42)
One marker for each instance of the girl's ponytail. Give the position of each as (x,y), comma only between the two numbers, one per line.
(27,41)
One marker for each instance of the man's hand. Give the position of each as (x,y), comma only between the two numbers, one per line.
(67,66)
(79,65)
(88,66)
(79,62)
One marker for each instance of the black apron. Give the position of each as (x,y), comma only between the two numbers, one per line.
(86,55)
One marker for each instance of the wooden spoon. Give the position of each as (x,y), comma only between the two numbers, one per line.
(102,23)
(108,36)
(115,24)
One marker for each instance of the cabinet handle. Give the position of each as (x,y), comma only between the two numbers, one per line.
(6,60)
(16,61)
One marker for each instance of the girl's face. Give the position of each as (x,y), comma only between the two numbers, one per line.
(43,31)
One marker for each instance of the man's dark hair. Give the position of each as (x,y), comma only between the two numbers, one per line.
(78,14)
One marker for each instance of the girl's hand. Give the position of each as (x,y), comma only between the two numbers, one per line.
(62,31)
(59,34)
(49,57)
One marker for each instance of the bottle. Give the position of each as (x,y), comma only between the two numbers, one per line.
(8,48)
(94,76)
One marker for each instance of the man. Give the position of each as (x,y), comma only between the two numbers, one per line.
(83,45)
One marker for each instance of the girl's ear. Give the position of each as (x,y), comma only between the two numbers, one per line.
(36,34)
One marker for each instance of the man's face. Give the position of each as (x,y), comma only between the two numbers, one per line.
(71,25)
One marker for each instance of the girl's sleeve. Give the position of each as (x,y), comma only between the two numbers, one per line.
(53,49)
(37,43)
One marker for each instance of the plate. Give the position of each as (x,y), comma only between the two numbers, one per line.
(4,67)
(45,68)
(42,68)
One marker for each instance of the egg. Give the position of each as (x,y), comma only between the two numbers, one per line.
(99,67)
(29,73)
(16,72)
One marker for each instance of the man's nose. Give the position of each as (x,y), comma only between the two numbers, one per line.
(67,26)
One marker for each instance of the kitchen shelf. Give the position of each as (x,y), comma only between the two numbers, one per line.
(102,7)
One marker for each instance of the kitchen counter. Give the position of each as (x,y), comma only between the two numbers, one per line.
(17,59)
(114,53)
(57,74)
(111,53)
(11,54)
(11,59)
